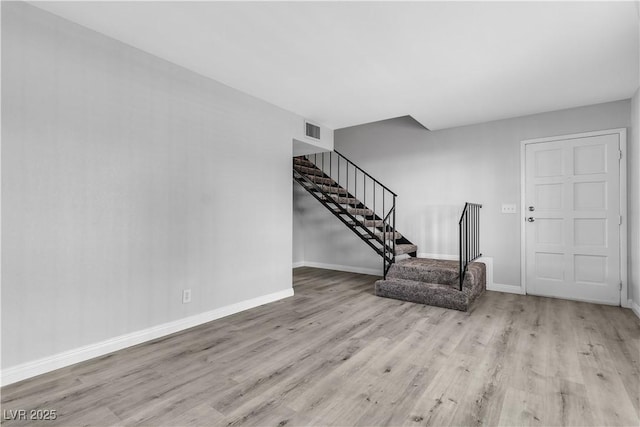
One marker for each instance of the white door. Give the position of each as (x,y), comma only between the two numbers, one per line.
(572,214)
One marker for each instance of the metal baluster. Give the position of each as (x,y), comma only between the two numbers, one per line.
(478,231)
(472,243)
(473,229)
(347,173)
(460,252)
(467,236)
(374,201)
(475,232)
(393,253)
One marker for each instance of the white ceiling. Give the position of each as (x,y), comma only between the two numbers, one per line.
(348,63)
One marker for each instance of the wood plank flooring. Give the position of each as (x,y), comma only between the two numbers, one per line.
(335,354)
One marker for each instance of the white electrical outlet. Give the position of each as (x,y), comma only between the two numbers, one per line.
(508,208)
(186,296)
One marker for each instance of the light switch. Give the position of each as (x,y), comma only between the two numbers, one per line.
(508,208)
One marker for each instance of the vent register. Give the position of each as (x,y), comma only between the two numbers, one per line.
(311,130)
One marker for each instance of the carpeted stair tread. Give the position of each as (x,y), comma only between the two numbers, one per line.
(345,200)
(321,180)
(309,171)
(435,271)
(373,223)
(405,249)
(426,270)
(333,190)
(390,235)
(303,162)
(433,282)
(360,211)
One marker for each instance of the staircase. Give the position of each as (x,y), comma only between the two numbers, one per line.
(361,202)
(368,208)
(434,282)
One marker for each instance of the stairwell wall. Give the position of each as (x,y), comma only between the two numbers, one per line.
(126,179)
(435,172)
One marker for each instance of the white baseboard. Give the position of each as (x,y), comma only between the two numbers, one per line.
(346,268)
(81,354)
(298,264)
(488,261)
(510,289)
(635,307)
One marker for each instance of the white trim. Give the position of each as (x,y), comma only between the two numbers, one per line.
(488,261)
(523,212)
(298,264)
(622,138)
(508,289)
(81,354)
(592,301)
(634,307)
(624,266)
(345,268)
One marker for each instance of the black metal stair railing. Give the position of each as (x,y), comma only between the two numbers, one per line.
(337,208)
(469,229)
(371,206)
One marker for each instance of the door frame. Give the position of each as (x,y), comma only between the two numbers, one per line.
(622,137)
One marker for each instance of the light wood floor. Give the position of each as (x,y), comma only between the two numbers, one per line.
(335,354)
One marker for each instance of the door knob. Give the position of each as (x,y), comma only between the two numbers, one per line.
(531,219)
(531,208)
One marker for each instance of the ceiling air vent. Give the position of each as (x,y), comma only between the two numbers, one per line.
(311,130)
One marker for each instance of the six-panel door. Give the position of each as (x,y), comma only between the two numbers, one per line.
(572,198)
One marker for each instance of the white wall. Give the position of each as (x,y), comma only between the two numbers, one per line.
(434,173)
(127,179)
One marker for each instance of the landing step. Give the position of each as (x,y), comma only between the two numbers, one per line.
(424,293)
(433,282)
(426,270)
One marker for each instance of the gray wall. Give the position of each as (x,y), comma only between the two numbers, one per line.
(434,173)
(126,179)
